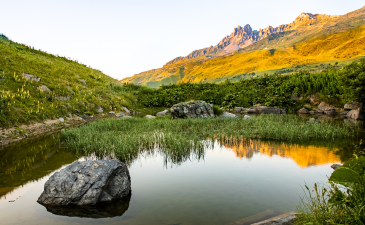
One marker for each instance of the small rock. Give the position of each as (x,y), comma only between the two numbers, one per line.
(323,106)
(246,117)
(282,219)
(99,109)
(344,113)
(319,111)
(149,117)
(62,120)
(228,115)
(303,111)
(313,100)
(351,105)
(163,113)
(311,112)
(335,166)
(121,114)
(45,89)
(312,120)
(111,112)
(63,98)
(85,117)
(82,81)
(31,77)
(126,110)
(238,110)
(67,125)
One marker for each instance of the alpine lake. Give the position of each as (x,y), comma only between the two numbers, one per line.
(247,182)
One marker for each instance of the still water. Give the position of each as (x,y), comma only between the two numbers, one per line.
(225,185)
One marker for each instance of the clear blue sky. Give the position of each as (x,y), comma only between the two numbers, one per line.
(122,38)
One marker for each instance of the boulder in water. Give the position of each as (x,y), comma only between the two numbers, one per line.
(87,183)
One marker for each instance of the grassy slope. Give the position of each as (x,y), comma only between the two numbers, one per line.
(341,39)
(22,101)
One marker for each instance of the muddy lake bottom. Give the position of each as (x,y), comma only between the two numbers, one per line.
(226,184)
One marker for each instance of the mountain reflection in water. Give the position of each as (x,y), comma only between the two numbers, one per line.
(303,155)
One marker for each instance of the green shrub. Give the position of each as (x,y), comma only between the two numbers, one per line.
(352,81)
(217,111)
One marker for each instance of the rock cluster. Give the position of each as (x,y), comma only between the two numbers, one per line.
(265,110)
(193,109)
(87,183)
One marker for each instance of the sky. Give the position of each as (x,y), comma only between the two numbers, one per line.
(123,37)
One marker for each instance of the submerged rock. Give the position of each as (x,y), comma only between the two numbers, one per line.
(330,112)
(87,183)
(194,109)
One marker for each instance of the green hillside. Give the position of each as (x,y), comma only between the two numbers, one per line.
(74,88)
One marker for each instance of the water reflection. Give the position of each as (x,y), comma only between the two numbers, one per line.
(303,155)
(102,210)
(24,163)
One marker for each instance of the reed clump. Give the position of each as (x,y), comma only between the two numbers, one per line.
(180,139)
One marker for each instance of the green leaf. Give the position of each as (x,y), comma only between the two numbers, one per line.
(344,176)
(358,165)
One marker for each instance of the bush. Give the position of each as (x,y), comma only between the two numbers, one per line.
(217,111)
(352,82)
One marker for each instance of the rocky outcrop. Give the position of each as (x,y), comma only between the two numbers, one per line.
(303,111)
(87,183)
(265,110)
(356,114)
(31,77)
(163,113)
(228,115)
(194,109)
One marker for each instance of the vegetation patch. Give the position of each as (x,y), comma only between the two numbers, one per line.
(125,138)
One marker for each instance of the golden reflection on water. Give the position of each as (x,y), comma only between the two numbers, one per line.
(303,156)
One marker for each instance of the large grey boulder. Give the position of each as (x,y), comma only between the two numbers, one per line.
(194,109)
(228,115)
(87,183)
(163,113)
(31,77)
(356,114)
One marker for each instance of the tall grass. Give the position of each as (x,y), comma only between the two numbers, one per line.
(181,139)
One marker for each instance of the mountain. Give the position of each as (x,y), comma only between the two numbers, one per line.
(247,52)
